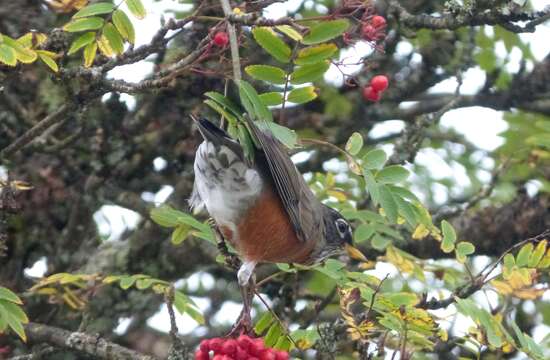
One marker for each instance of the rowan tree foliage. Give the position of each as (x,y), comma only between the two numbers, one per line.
(457,265)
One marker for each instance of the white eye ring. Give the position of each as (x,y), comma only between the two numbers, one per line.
(342,226)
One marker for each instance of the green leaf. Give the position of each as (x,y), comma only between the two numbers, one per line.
(91,23)
(285,135)
(354,143)
(14,317)
(290,32)
(222,111)
(372,186)
(263,323)
(252,102)
(165,216)
(315,54)
(309,73)
(362,233)
(7,294)
(81,41)
(89,54)
(48,60)
(179,234)
(464,249)
(325,30)
(523,256)
(267,73)
(404,193)
(23,54)
(302,95)
(271,43)
(124,26)
(271,98)
(401,298)
(115,39)
(449,237)
(406,210)
(392,174)
(7,55)
(246,141)
(136,8)
(388,203)
(225,102)
(374,159)
(94,9)
(142,284)
(380,242)
(127,282)
(273,334)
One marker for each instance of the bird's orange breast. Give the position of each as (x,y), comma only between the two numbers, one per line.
(265,233)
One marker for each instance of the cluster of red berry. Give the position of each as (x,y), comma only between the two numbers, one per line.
(377,86)
(373,29)
(242,348)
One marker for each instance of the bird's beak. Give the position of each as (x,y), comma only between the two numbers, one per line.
(355,253)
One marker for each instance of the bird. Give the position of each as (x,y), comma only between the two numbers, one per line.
(263,206)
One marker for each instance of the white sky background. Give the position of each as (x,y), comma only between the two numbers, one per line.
(481,126)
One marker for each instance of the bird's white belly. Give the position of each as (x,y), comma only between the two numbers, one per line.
(227,190)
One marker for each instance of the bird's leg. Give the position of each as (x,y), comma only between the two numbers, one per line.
(247,285)
(230,260)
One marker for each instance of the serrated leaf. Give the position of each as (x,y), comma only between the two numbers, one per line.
(267,73)
(290,32)
(285,135)
(136,8)
(392,174)
(325,30)
(7,55)
(406,210)
(523,256)
(114,38)
(302,95)
(90,52)
(315,54)
(263,323)
(271,98)
(180,233)
(449,237)
(7,294)
(94,9)
(48,60)
(271,43)
(374,159)
(6,313)
(252,102)
(81,42)
(354,143)
(124,26)
(83,24)
(309,73)
(388,203)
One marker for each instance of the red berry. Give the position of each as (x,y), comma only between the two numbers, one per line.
(205,346)
(218,357)
(216,344)
(252,358)
(369,32)
(281,355)
(229,347)
(201,355)
(379,83)
(245,342)
(268,354)
(378,21)
(221,39)
(370,94)
(257,347)
(241,354)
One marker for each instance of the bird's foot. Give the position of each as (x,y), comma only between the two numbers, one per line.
(243,325)
(230,260)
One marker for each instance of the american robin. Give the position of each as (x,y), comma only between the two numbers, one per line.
(263,207)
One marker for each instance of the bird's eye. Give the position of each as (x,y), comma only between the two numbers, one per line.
(342,226)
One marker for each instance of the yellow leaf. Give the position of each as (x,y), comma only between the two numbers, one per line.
(502,287)
(104,46)
(420,232)
(89,54)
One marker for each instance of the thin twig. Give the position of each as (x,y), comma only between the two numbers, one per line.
(233,43)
